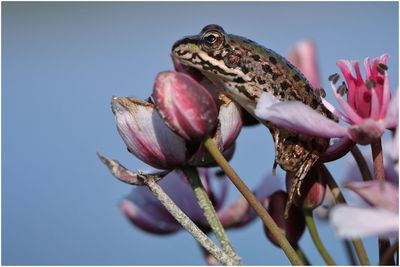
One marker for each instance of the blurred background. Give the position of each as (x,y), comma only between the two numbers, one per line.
(62,62)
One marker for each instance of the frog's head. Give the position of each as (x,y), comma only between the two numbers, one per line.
(213,52)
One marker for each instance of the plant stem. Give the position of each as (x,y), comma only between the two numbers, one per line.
(349,252)
(253,201)
(186,223)
(315,237)
(209,212)
(389,253)
(362,163)
(302,256)
(357,243)
(379,174)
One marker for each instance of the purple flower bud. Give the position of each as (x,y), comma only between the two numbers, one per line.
(293,227)
(186,106)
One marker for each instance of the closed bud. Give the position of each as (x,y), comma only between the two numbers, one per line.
(185,105)
(312,191)
(292,227)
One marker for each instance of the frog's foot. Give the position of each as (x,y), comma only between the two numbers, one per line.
(297,180)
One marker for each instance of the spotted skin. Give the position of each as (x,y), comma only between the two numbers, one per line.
(244,70)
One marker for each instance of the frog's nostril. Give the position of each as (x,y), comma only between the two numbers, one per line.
(180,42)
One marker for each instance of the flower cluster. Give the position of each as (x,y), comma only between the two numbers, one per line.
(168,130)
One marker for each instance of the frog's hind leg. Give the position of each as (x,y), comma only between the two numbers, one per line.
(297,180)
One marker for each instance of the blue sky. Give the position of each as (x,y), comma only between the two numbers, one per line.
(62,62)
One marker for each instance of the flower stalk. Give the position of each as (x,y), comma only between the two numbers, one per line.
(253,201)
(379,174)
(361,163)
(339,198)
(186,223)
(315,237)
(210,213)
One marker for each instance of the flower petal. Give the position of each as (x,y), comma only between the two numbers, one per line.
(392,115)
(377,193)
(346,68)
(230,119)
(354,222)
(375,107)
(296,116)
(303,56)
(351,114)
(335,111)
(385,97)
(146,134)
(146,211)
(159,224)
(337,149)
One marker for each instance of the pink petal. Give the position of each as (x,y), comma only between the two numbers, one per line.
(351,114)
(296,116)
(156,224)
(230,119)
(385,96)
(146,212)
(303,56)
(367,66)
(338,149)
(146,134)
(335,111)
(353,222)
(377,193)
(392,116)
(346,68)
(375,107)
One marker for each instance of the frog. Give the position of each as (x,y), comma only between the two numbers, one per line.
(244,70)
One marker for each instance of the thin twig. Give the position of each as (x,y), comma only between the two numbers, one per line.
(339,198)
(186,223)
(210,213)
(361,163)
(253,201)
(315,237)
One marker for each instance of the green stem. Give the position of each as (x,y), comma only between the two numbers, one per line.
(349,252)
(357,243)
(379,174)
(389,254)
(210,213)
(302,256)
(186,223)
(308,215)
(362,163)
(253,201)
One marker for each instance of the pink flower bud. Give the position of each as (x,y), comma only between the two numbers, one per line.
(293,227)
(186,106)
(312,191)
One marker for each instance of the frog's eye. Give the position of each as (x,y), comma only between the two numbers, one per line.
(212,40)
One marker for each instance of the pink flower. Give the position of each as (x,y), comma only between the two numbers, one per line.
(381,219)
(368,117)
(152,141)
(147,213)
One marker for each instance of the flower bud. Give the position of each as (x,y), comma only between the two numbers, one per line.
(292,227)
(186,106)
(312,191)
